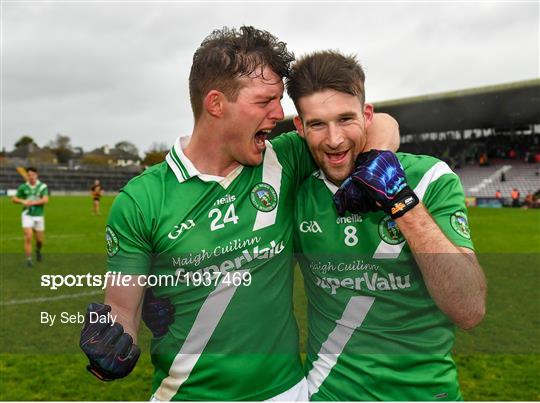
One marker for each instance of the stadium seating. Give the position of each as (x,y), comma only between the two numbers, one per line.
(484,181)
(61,178)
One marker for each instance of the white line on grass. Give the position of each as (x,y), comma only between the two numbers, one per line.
(44,299)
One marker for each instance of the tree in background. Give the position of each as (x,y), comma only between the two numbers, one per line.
(62,148)
(155,154)
(127,147)
(23,141)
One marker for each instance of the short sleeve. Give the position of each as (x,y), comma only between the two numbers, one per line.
(445,200)
(20,192)
(127,238)
(44,191)
(293,153)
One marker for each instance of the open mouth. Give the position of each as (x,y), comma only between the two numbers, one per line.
(337,158)
(260,138)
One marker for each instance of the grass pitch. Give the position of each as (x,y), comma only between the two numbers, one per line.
(498,360)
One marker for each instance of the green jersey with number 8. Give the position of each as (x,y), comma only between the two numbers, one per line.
(226,243)
(374,331)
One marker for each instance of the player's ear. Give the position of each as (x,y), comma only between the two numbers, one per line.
(214,103)
(368,114)
(299,126)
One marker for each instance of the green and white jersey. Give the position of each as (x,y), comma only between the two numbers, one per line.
(374,331)
(229,242)
(36,192)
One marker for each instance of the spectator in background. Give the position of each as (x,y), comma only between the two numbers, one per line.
(498,194)
(96,191)
(529,200)
(514,194)
(483,160)
(503,177)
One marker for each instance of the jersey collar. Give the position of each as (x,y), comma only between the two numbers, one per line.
(35,186)
(330,185)
(184,169)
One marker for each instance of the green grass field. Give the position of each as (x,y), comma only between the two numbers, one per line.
(499,360)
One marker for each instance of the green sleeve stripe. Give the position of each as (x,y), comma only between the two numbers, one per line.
(387,251)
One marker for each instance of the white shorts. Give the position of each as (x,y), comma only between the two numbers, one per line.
(298,393)
(37,223)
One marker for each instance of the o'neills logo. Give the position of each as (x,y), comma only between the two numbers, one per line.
(263,197)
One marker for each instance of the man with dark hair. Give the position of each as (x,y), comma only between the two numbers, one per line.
(33,195)
(388,270)
(217,214)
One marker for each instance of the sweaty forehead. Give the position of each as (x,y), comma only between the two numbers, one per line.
(263,86)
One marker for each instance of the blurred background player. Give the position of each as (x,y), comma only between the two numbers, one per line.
(96,191)
(33,195)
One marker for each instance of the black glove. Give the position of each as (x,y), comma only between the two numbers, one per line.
(379,176)
(111,352)
(351,197)
(157,313)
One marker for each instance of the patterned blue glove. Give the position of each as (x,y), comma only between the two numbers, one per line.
(157,313)
(380,177)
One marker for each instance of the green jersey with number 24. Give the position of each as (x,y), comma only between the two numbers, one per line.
(374,331)
(228,242)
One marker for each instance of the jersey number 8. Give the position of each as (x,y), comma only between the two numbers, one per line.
(350,235)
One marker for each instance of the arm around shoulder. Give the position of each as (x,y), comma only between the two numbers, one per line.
(383,133)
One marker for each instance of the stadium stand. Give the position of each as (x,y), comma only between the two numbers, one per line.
(63,179)
(497,127)
(485,181)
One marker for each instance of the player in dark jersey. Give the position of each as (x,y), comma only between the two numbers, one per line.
(96,191)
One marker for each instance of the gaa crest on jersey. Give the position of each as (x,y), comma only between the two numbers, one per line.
(460,224)
(113,246)
(389,231)
(263,197)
